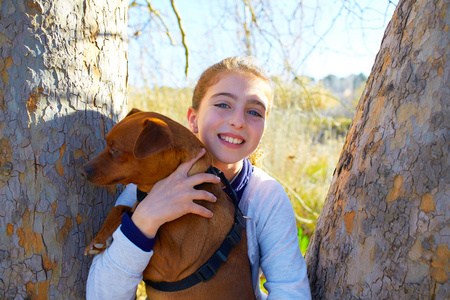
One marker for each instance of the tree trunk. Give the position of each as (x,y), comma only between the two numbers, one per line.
(63,83)
(384,231)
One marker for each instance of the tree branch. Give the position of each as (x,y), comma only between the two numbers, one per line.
(158,15)
(183,36)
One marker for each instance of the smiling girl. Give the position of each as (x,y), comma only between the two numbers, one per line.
(230,105)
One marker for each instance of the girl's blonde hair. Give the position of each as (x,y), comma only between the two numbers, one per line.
(245,65)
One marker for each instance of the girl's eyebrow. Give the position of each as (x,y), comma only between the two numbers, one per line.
(252,101)
(257,102)
(225,94)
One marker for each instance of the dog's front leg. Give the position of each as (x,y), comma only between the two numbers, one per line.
(104,236)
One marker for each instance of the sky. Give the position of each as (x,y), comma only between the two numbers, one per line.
(319,38)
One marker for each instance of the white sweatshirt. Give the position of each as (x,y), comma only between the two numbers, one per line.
(273,248)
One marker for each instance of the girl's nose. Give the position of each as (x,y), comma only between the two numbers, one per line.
(237,119)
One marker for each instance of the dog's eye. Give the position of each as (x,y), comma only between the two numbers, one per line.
(114,152)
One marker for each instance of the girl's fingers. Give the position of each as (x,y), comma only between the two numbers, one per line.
(202,178)
(186,166)
(204,195)
(197,179)
(201,211)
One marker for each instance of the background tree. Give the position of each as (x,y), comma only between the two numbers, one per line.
(383,232)
(63,83)
(171,45)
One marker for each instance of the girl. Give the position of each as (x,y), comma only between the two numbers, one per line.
(230,105)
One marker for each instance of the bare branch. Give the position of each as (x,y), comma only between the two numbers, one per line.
(158,15)
(183,36)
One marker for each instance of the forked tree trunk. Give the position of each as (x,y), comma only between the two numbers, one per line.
(384,230)
(63,82)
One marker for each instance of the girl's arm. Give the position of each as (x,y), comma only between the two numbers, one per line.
(116,272)
(281,260)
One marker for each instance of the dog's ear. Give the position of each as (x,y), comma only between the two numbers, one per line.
(133,111)
(155,137)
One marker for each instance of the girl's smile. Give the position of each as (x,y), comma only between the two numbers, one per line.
(231,117)
(229,139)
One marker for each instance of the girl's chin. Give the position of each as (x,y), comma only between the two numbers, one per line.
(227,160)
(228,156)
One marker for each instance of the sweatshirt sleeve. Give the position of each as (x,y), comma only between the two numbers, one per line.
(116,272)
(281,260)
(128,196)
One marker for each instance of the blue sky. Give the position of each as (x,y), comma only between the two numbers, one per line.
(323,37)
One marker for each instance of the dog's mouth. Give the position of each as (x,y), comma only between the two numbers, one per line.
(116,181)
(231,140)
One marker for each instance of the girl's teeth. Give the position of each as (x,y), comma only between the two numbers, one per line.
(231,140)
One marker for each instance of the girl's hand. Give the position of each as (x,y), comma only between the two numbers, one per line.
(172,197)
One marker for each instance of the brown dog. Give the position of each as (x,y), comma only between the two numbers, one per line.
(142,149)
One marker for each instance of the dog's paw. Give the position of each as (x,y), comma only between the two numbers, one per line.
(96,247)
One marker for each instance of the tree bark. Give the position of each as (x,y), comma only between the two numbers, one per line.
(384,231)
(63,82)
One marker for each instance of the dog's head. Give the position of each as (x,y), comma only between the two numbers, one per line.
(140,150)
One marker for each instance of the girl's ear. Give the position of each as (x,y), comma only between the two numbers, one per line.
(192,119)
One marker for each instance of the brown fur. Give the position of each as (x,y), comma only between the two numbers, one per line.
(150,147)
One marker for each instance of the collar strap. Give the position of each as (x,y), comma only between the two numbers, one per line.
(210,268)
(217,172)
(140,195)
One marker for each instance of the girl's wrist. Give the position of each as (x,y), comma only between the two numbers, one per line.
(146,225)
(135,235)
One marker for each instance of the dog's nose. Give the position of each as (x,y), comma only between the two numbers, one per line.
(86,171)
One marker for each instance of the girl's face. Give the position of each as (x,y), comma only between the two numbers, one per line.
(231,117)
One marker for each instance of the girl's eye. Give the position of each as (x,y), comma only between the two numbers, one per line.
(254,113)
(222,105)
